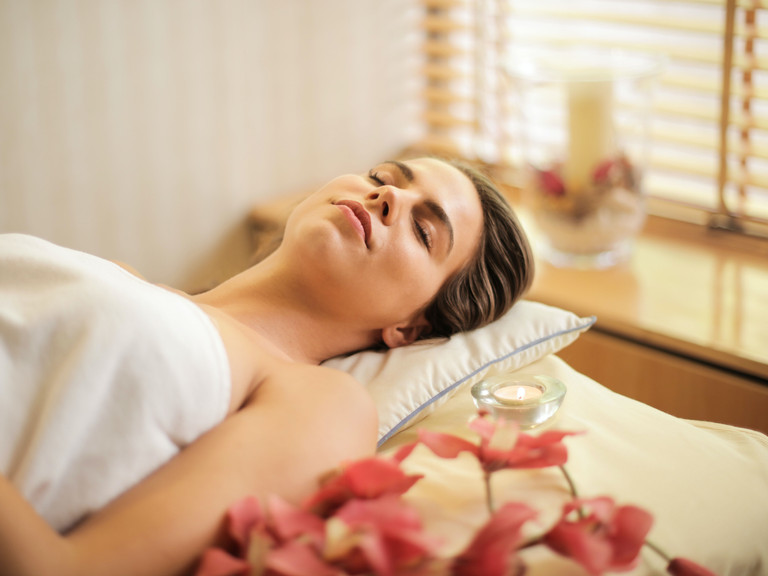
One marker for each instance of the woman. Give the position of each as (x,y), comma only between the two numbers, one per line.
(407,251)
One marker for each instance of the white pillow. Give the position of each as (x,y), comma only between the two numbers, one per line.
(408,383)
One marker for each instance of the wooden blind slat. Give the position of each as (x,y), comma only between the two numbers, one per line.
(682,165)
(442,4)
(673,51)
(445,96)
(445,119)
(542,11)
(443,72)
(441,49)
(439,24)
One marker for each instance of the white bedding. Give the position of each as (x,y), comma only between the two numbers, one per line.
(705,484)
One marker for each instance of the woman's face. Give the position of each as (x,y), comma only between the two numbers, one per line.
(379,245)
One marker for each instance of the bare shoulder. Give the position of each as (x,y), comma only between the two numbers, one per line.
(320,389)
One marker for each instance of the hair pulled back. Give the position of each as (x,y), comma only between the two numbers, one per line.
(498,274)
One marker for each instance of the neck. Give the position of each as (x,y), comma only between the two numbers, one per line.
(273,302)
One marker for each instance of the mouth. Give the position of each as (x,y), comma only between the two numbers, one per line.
(358,217)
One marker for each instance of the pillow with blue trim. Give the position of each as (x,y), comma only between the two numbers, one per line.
(408,383)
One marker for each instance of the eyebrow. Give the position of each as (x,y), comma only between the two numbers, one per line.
(405,170)
(437,210)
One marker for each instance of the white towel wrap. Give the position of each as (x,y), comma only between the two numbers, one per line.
(103,377)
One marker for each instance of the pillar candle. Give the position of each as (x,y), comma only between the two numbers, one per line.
(590,132)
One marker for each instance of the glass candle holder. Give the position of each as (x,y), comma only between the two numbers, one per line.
(529,400)
(583,119)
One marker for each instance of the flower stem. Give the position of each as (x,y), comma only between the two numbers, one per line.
(658,550)
(571,485)
(488,493)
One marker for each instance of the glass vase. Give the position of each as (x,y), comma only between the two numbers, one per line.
(583,119)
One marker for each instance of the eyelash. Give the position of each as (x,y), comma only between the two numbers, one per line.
(375,177)
(421,231)
(424,234)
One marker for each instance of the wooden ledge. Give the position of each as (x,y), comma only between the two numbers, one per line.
(687,290)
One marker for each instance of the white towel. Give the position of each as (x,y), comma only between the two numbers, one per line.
(103,377)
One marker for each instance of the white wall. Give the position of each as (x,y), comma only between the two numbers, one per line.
(143,130)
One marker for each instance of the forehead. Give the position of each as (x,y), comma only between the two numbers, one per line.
(445,183)
(456,193)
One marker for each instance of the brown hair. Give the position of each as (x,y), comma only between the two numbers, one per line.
(500,272)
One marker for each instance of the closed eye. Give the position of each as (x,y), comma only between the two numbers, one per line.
(374,176)
(423,233)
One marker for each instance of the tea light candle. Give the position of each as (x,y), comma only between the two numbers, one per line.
(515,394)
(590,131)
(529,400)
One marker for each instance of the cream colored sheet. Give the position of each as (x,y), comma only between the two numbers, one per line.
(706,484)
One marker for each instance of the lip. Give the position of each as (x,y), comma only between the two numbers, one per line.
(359,215)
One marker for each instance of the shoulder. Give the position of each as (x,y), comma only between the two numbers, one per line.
(320,385)
(320,398)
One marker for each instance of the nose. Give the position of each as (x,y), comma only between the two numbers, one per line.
(387,201)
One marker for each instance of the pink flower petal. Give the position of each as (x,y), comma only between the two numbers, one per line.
(390,532)
(546,449)
(631,525)
(602,170)
(217,562)
(446,445)
(373,477)
(243,517)
(576,542)
(491,551)
(404,451)
(289,521)
(502,446)
(374,550)
(368,478)
(604,537)
(297,559)
(551,183)
(485,425)
(389,512)
(684,567)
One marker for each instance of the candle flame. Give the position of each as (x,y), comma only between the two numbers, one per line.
(520,393)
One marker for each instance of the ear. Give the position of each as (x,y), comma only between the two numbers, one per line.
(405,333)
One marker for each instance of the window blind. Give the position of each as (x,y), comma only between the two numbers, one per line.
(708,158)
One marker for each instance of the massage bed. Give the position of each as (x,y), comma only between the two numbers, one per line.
(705,484)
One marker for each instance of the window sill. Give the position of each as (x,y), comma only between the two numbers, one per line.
(693,292)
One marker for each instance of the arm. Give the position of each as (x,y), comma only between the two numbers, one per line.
(293,431)
(23,534)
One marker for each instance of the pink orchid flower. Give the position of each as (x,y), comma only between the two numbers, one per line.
(296,558)
(607,537)
(684,567)
(384,536)
(602,171)
(267,538)
(491,551)
(217,562)
(244,518)
(501,445)
(364,479)
(550,183)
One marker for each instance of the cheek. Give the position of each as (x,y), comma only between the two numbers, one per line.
(413,279)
